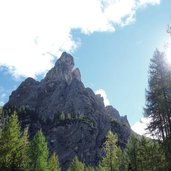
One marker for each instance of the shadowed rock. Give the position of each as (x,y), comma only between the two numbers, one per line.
(73,119)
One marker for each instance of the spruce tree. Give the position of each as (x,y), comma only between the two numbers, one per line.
(112,153)
(10,145)
(158,101)
(24,158)
(158,97)
(131,151)
(54,163)
(88,168)
(76,165)
(144,154)
(38,153)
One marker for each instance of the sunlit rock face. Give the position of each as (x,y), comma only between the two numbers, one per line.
(73,119)
(62,71)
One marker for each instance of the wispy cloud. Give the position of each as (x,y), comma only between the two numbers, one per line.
(146,2)
(104,95)
(31,29)
(140,127)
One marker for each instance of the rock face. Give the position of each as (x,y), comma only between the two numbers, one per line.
(73,119)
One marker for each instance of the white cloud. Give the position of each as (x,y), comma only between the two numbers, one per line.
(32,30)
(140,126)
(145,2)
(104,95)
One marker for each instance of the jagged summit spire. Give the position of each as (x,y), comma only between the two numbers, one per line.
(64,70)
(66,61)
(73,119)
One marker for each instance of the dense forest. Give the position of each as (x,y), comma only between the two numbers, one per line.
(19,153)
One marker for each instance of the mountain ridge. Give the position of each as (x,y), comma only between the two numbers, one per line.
(73,119)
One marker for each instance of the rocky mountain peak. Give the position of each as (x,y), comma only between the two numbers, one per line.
(76,74)
(73,119)
(63,70)
(65,62)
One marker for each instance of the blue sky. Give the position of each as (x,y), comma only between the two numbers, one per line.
(112,42)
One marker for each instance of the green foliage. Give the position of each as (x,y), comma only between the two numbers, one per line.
(88,168)
(10,145)
(76,165)
(1,110)
(62,116)
(17,153)
(80,117)
(54,163)
(38,153)
(158,97)
(68,116)
(158,101)
(111,160)
(2,120)
(100,168)
(144,154)
(24,150)
(132,153)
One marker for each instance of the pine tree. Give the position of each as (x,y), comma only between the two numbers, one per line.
(100,168)
(144,154)
(24,158)
(54,163)
(112,153)
(151,155)
(131,151)
(158,98)
(76,165)
(10,145)
(158,101)
(38,153)
(1,120)
(62,116)
(88,168)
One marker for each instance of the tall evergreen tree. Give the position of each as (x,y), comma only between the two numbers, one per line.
(1,120)
(144,154)
(10,144)
(54,163)
(158,97)
(24,149)
(38,153)
(88,168)
(111,160)
(131,150)
(76,165)
(158,101)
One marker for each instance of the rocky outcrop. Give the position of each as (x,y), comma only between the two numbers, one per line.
(73,119)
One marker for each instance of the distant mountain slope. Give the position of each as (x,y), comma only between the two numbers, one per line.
(73,119)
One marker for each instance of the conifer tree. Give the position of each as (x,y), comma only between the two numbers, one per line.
(38,153)
(158,101)
(144,154)
(24,158)
(158,97)
(131,150)
(54,163)
(1,120)
(112,153)
(100,168)
(76,165)
(10,145)
(88,168)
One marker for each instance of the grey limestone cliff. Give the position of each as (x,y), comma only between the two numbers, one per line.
(73,119)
